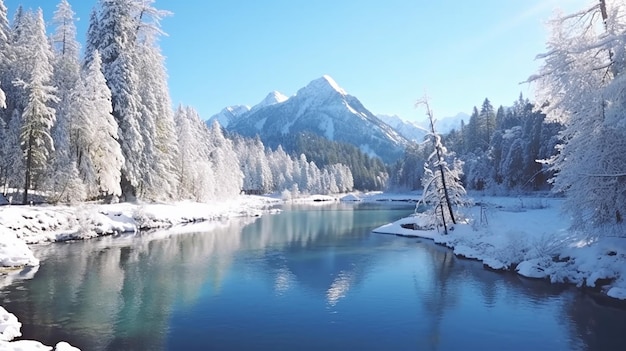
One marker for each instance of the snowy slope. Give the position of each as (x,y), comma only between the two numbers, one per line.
(408,129)
(324,108)
(230,113)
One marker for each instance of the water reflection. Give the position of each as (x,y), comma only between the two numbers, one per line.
(307,279)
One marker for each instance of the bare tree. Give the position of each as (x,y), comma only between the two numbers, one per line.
(442,185)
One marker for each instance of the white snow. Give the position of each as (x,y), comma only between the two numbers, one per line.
(9,326)
(334,84)
(531,236)
(10,329)
(350,198)
(14,252)
(272,98)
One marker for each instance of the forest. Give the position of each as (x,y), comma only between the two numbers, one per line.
(503,151)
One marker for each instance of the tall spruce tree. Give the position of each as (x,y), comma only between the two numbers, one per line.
(99,154)
(60,173)
(38,116)
(117,34)
(4,51)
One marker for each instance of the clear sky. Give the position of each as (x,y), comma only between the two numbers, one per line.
(386,53)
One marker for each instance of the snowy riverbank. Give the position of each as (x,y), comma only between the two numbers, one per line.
(530,236)
(23,225)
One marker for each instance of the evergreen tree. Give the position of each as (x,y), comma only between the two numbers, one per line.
(4,51)
(472,136)
(486,124)
(157,122)
(194,172)
(98,152)
(117,35)
(225,163)
(38,116)
(14,156)
(93,38)
(500,117)
(66,78)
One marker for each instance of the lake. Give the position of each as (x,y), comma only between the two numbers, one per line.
(309,278)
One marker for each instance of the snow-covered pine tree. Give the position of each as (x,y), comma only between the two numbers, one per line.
(98,152)
(443,190)
(38,116)
(92,41)
(14,156)
(4,50)
(117,34)
(581,84)
(64,133)
(225,164)
(281,165)
(157,123)
(254,163)
(195,173)
(486,124)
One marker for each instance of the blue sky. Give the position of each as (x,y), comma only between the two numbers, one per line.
(386,53)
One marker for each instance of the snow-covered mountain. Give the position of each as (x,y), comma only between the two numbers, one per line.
(417,130)
(408,129)
(324,108)
(228,114)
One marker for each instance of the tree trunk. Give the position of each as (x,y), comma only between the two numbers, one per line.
(29,162)
(443,219)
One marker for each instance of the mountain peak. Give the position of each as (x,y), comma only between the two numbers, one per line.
(325,84)
(275,97)
(272,98)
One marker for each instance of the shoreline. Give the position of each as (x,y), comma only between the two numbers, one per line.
(532,242)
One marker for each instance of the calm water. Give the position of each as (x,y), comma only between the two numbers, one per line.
(310,278)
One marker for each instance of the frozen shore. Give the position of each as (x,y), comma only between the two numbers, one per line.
(529,236)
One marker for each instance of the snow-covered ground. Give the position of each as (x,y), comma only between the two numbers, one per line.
(530,236)
(23,225)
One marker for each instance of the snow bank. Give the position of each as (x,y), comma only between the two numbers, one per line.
(21,225)
(10,329)
(9,326)
(14,252)
(530,236)
(350,198)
